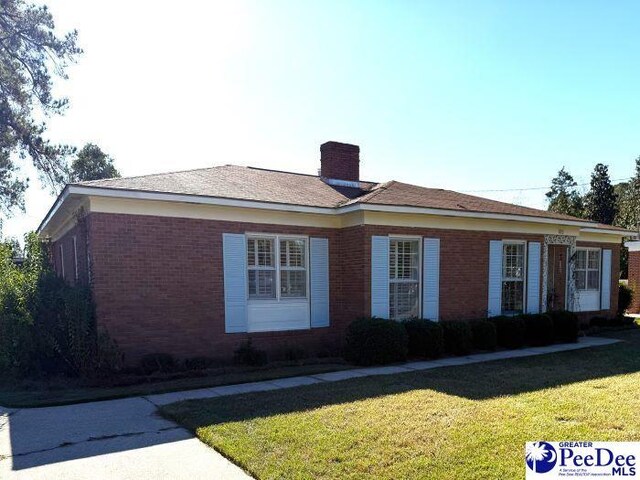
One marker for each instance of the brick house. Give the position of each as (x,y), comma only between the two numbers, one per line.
(196,262)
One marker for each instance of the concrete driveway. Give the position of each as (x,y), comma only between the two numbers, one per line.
(117,439)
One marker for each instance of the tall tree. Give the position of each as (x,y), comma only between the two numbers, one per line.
(563,196)
(92,163)
(31,54)
(628,215)
(600,201)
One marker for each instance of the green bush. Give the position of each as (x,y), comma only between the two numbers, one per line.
(457,337)
(625,297)
(539,329)
(158,362)
(510,331)
(47,326)
(566,325)
(375,341)
(426,338)
(484,335)
(247,354)
(201,363)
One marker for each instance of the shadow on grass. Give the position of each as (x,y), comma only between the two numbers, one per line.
(474,382)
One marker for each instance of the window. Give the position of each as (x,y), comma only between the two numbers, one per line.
(293,274)
(277,267)
(75,257)
(586,269)
(513,272)
(262,269)
(61,261)
(404,279)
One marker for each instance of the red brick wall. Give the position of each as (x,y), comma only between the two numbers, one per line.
(158,281)
(158,285)
(464,267)
(79,231)
(634,281)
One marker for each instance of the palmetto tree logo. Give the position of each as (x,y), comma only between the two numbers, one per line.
(540,456)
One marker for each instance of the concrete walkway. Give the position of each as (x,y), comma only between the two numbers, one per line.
(124,439)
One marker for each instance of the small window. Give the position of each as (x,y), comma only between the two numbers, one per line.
(61,261)
(404,279)
(586,270)
(293,274)
(513,272)
(75,257)
(262,269)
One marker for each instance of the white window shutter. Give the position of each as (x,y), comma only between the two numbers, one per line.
(533,278)
(495,278)
(605,287)
(234,252)
(380,277)
(431,275)
(319,280)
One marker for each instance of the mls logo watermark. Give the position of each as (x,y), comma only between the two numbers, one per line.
(550,460)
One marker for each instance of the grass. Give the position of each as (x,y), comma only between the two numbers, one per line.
(28,394)
(466,422)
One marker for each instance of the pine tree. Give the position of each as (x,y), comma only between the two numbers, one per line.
(601,200)
(563,196)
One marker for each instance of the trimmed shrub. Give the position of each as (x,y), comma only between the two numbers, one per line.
(457,337)
(199,363)
(483,334)
(247,354)
(625,297)
(158,362)
(566,325)
(375,341)
(539,329)
(426,338)
(510,331)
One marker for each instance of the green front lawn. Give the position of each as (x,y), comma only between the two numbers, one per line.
(457,422)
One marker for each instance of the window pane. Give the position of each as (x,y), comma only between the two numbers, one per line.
(403,260)
(512,297)
(581,279)
(292,253)
(403,300)
(594,259)
(513,260)
(581,259)
(293,283)
(262,283)
(593,280)
(260,252)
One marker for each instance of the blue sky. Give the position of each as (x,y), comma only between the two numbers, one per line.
(475,95)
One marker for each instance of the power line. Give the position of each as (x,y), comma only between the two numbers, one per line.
(534,188)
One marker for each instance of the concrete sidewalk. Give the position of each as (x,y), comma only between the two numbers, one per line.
(124,439)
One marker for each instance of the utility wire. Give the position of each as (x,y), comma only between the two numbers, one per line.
(535,188)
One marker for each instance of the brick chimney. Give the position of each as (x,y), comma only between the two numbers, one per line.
(340,161)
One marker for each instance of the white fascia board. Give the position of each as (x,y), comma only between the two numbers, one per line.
(633,246)
(458,213)
(205,200)
(622,233)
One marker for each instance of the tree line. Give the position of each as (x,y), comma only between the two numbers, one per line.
(604,202)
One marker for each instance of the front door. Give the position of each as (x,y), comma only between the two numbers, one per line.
(557,277)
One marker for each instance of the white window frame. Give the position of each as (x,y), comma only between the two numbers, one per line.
(514,279)
(419,240)
(61,259)
(75,257)
(587,269)
(276,238)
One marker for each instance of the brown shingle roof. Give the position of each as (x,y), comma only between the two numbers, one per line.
(249,183)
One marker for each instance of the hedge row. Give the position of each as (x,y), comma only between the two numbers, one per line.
(372,341)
